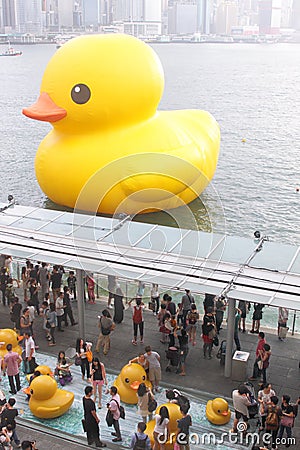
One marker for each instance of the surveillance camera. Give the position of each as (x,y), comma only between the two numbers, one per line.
(257,234)
(10,198)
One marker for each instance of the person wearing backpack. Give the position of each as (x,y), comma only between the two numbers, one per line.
(106,326)
(192,319)
(140,440)
(264,395)
(272,421)
(287,419)
(114,407)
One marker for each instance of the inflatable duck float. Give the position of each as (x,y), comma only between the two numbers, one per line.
(128,381)
(44,370)
(110,148)
(9,336)
(174,415)
(217,411)
(46,400)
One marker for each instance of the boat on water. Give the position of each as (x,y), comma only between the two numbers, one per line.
(10,51)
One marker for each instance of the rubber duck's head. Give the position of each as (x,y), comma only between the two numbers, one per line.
(132,375)
(7,336)
(44,370)
(220,407)
(99,82)
(43,387)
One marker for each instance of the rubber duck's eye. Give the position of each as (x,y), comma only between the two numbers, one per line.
(126,380)
(144,378)
(219,411)
(80,94)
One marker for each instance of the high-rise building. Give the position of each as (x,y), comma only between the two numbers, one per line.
(183,17)
(204,13)
(29,17)
(65,13)
(140,17)
(8,15)
(226,16)
(286,13)
(296,15)
(269,16)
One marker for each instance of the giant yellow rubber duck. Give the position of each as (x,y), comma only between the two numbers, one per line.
(174,415)
(44,370)
(46,400)
(110,150)
(217,411)
(9,336)
(128,381)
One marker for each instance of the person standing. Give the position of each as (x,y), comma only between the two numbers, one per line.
(244,307)
(81,351)
(111,287)
(153,359)
(273,416)
(220,310)
(56,277)
(25,324)
(12,361)
(3,283)
(98,376)
(144,394)
(183,340)
(68,312)
(161,429)
(170,306)
(283,315)
(208,332)
(265,355)
(114,407)
(287,419)
(186,301)
(15,314)
(155,297)
(138,320)
(91,420)
(183,428)
(237,319)
(140,439)
(241,401)
(106,326)
(118,306)
(60,310)
(44,278)
(51,317)
(192,319)
(30,353)
(256,318)
(264,399)
(71,281)
(259,347)
(90,288)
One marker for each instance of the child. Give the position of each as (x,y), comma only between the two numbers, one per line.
(138,439)
(179,314)
(64,372)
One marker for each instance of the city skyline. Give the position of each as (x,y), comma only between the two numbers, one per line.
(149,17)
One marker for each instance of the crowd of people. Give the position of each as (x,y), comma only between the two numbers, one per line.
(178,325)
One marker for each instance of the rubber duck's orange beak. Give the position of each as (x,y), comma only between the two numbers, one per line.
(135,385)
(45,109)
(225,413)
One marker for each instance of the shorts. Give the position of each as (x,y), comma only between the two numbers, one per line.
(239,415)
(155,374)
(243,315)
(98,382)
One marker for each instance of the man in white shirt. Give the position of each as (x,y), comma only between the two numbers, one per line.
(153,359)
(60,311)
(30,353)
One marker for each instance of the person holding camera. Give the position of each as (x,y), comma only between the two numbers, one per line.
(28,445)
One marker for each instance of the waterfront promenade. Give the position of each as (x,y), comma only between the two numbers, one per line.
(202,375)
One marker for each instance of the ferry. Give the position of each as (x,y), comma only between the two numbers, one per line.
(11,52)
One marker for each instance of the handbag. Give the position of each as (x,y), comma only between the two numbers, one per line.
(216,341)
(152,403)
(89,355)
(283,332)
(287,421)
(109,418)
(260,364)
(77,361)
(47,324)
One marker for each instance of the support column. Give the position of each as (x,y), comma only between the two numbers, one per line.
(80,302)
(229,337)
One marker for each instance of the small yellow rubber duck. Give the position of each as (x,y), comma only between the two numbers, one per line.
(46,400)
(110,150)
(217,411)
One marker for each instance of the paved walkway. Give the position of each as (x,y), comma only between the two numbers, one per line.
(202,375)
